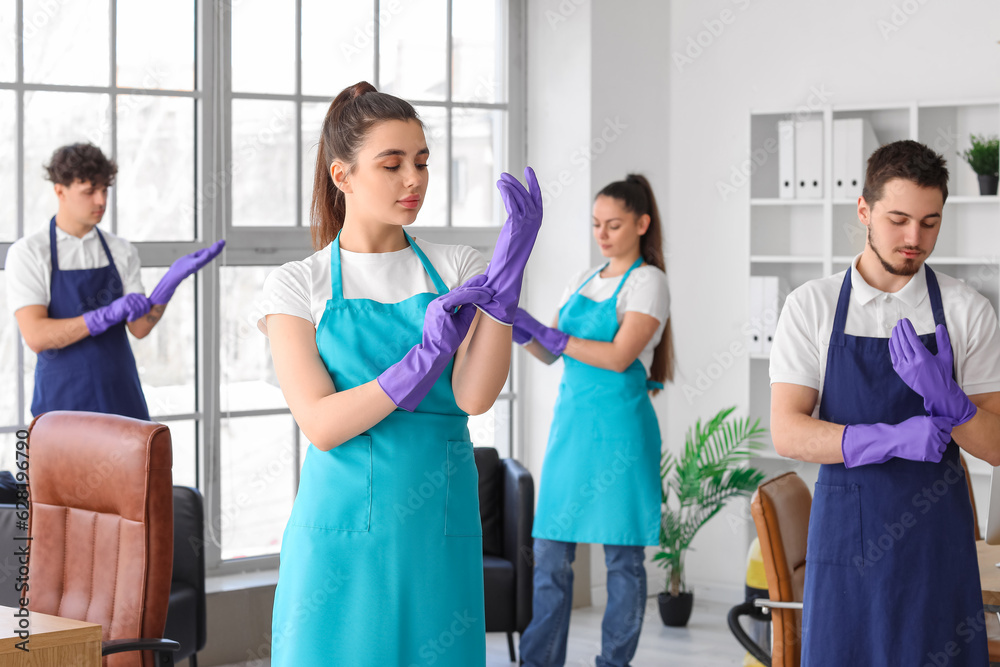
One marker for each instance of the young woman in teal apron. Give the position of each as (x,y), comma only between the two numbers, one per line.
(600,480)
(381,560)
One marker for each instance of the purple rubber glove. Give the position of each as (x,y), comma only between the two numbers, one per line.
(551,339)
(409,380)
(181,269)
(517,237)
(129,307)
(930,375)
(919,438)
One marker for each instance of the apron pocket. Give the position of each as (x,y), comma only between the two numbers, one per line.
(335,492)
(835,526)
(461,512)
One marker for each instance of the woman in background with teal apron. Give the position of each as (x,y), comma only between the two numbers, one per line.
(600,480)
(381,560)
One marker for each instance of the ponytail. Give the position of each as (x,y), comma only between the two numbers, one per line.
(636,194)
(351,115)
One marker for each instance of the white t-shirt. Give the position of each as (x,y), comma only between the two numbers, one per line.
(28,269)
(302,288)
(645,291)
(802,338)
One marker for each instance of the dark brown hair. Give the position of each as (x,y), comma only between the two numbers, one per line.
(83,162)
(351,115)
(636,195)
(907,159)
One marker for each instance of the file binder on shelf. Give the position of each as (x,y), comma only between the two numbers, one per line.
(854,141)
(786,159)
(767,294)
(809,159)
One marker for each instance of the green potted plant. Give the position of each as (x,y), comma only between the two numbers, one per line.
(984,158)
(696,485)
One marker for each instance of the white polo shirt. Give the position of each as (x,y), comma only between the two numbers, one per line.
(802,338)
(28,269)
(302,288)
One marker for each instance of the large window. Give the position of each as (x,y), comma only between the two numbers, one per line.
(213,112)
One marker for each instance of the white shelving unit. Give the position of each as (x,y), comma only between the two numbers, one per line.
(800,240)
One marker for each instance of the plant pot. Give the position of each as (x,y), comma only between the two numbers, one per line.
(675,611)
(988,184)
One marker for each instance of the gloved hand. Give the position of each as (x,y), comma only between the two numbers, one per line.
(409,380)
(919,438)
(181,269)
(129,307)
(928,374)
(527,327)
(517,237)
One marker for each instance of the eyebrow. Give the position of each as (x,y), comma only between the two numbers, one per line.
(609,219)
(907,215)
(396,151)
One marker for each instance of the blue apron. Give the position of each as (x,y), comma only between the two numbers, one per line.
(382,557)
(891,568)
(96,374)
(600,480)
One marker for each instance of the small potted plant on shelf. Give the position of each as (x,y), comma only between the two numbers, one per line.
(984,158)
(710,471)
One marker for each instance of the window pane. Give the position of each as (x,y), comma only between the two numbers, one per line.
(477,75)
(263,163)
(257,493)
(66,42)
(8,45)
(248,380)
(155,183)
(476,136)
(182,438)
(8,362)
(338,45)
(312,125)
(155,44)
(263,50)
(413,49)
(52,120)
(492,429)
(434,211)
(165,358)
(8,173)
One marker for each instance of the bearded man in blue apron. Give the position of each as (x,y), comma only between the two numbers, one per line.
(74,290)
(881,373)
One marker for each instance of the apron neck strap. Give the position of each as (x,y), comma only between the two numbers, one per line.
(637,263)
(933,293)
(54,254)
(337,280)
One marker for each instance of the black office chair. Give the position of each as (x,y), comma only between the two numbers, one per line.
(507,510)
(186,619)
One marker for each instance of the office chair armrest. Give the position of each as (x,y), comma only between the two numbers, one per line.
(774,604)
(168,646)
(518,517)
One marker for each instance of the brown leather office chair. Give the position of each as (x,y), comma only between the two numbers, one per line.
(780,509)
(101,525)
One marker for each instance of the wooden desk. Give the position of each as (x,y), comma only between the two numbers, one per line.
(989,574)
(54,641)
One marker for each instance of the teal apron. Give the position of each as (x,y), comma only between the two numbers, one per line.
(600,481)
(382,560)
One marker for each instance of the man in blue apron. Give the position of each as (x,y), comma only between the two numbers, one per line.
(881,373)
(74,290)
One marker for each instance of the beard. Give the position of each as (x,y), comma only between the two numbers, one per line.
(909,267)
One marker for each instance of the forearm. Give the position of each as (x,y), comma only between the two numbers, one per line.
(334,419)
(599,354)
(53,334)
(980,436)
(538,351)
(805,438)
(141,327)
(481,369)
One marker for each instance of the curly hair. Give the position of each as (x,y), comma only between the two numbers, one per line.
(83,162)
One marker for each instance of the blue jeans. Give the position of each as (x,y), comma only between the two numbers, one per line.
(543,643)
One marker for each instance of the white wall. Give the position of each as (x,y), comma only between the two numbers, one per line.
(687,128)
